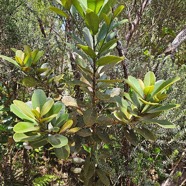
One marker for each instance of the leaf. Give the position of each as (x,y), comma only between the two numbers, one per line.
(59,12)
(67,4)
(23,127)
(18,112)
(66,126)
(88,37)
(84,132)
(162,123)
(92,21)
(73,130)
(165,85)
(23,137)
(106,18)
(148,90)
(56,108)
(148,102)
(108,4)
(87,50)
(102,32)
(41,141)
(69,101)
(134,84)
(46,107)
(57,140)
(89,117)
(149,79)
(108,45)
(39,54)
(130,136)
(38,99)
(24,108)
(110,81)
(78,7)
(63,152)
(108,60)
(162,108)
(147,134)
(10,60)
(118,10)
(103,177)
(29,81)
(95,5)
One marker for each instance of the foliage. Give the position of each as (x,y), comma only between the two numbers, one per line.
(87,82)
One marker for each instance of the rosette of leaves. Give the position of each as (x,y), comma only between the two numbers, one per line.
(142,104)
(44,121)
(24,59)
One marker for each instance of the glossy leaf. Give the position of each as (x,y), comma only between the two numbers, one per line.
(10,60)
(18,137)
(149,79)
(147,134)
(87,50)
(165,85)
(95,5)
(57,141)
(66,126)
(131,136)
(108,60)
(162,108)
(38,98)
(23,127)
(18,112)
(78,7)
(29,81)
(46,107)
(63,152)
(118,10)
(73,130)
(162,123)
(108,45)
(134,84)
(92,21)
(88,37)
(24,108)
(59,12)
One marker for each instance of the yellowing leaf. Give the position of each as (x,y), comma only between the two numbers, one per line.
(66,126)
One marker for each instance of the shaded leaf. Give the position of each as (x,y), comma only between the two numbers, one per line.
(108,60)
(59,12)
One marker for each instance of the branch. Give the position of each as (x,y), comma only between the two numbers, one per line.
(179,39)
(136,21)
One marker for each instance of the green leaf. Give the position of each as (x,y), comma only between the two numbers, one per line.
(118,10)
(29,81)
(108,60)
(46,107)
(107,6)
(148,90)
(103,177)
(162,123)
(87,50)
(149,79)
(84,132)
(66,126)
(38,98)
(147,134)
(23,127)
(165,85)
(162,108)
(92,21)
(78,7)
(134,84)
(39,54)
(10,60)
(23,137)
(88,37)
(67,4)
(95,5)
(57,140)
(59,12)
(18,112)
(24,108)
(73,130)
(130,136)
(102,32)
(89,117)
(148,102)
(63,152)
(41,141)
(108,45)
(56,108)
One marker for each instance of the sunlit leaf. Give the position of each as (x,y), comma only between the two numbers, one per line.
(108,60)
(23,127)
(59,12)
